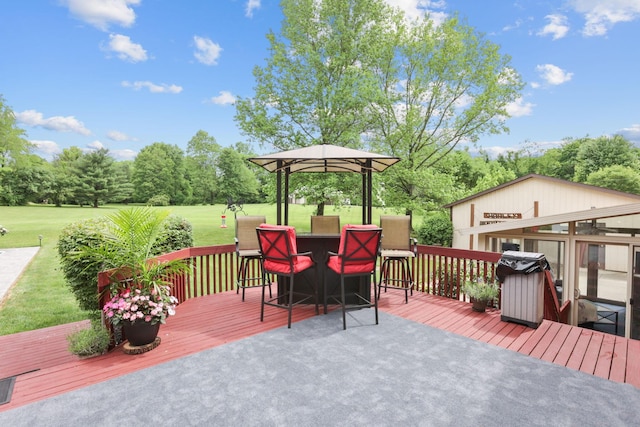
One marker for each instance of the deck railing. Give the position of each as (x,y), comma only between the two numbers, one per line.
(437,270)
(442,271)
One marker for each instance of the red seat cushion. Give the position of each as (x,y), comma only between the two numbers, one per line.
(275,251)
(354,249)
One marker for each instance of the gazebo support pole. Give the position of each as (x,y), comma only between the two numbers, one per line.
(287,172)
(279,193)
(364,196)
(370,191)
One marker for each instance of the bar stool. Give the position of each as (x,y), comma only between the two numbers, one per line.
(325,224)
(396,249)
(357,256)
(280,257)
(249,273)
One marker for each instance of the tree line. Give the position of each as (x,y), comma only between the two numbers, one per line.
(161,174)
(207,173)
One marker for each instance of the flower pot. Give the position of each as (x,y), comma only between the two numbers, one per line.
(479,305)
(140,333)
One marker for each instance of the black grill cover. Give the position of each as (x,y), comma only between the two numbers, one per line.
(513,262)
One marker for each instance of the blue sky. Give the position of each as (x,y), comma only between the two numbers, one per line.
(123,74)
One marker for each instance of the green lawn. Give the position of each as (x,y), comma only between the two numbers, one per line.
(41,297)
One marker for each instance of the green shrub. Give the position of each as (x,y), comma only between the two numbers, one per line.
(447,282)
(436,229)
(81,273)
(89,342)
(178,234)
(480,290)
(159,200)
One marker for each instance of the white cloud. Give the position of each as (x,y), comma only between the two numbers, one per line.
(207,52)
(56,123)
(125,154)
(153,88)
(95,145)
(115,135)
(102,13)
(600,16)
(631,133)
(553,75)
(415,9)
(557,27)
(519,108)
(224,98)
(46,147)
(251,6)
(126,49)
(513,26)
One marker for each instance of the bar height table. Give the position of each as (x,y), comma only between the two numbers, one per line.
(320,245)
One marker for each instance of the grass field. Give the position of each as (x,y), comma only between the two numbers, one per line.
(41,297)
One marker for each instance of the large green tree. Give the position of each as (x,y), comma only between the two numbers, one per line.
(318,80)
(27,182)
(14,148)
(237,182)
(202,154)
(65,177)
(96,178)
(617,177)
(598,153)
(123,171)
(357,73)
(439,86)
(159,169)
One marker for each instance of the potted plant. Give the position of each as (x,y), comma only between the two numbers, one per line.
(481,292)
(140,291)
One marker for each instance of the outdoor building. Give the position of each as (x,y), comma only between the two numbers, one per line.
(589,235)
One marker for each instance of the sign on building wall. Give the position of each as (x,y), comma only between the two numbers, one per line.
(503,215)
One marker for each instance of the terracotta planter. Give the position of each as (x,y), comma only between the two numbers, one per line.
(140,333)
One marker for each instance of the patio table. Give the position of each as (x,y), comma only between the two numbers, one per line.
(326,279)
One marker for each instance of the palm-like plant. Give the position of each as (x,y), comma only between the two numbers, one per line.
(127,251)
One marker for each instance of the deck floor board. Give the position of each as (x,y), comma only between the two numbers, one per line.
(207,322)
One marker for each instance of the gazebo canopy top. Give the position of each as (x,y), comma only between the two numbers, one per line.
(324,158)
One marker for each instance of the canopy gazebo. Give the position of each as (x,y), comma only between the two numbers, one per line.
(321,159)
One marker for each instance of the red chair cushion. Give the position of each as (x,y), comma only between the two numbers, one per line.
(354,249)
(276,255)
(344,233)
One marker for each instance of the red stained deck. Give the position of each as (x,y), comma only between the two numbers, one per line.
(45,368)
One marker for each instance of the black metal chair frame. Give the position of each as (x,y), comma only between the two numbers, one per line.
(362,236)
(284,301)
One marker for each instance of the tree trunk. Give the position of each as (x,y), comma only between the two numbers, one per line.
(320,209)
(410,213)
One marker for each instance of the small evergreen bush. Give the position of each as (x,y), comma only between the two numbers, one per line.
(159,200)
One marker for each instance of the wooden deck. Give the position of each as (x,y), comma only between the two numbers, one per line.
(45,368)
